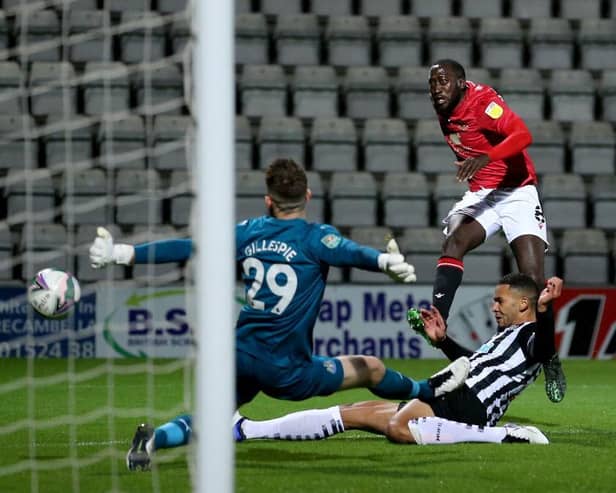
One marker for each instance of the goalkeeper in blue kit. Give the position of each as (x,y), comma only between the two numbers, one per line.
(284,261)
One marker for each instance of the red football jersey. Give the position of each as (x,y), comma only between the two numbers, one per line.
(474,127)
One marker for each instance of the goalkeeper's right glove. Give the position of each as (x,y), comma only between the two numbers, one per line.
(103,252)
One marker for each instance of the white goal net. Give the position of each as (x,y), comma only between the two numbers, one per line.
(95,130)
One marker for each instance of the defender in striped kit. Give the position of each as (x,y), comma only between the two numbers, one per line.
(499,370)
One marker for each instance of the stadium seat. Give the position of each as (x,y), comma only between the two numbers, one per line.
(375,237)
(40,39)
(367,92)
(331,7)
(53,91)
(251,42)
(551,44)
(548,147)
(95,25)
(399,40)
(531,9)
(4,37)
(83,240)
(447,191)
(18,186)
(422,248)
(334,144)
(243,143)
(181,197)
(171,142)
(481,8)
(433,155)
(281,137)
(118,6)
(484,264)
(572,95)
(433,8)
(451,37)
(597,40)
(281,7)
(315,92)
(17,5)
(18,148)
(122,143)
(592,148)
(106,88)
(371,8)
(386,145)
(155,274)
(353,199)
(501,43)
(180,34)
(68,141)
(480,76)
(138,198)
(564,201)
(585,256)
(315,209)
(406,198)
(607,90)
(263,90)
(249,193)
(12,80)
(243,6)
(146,42)
(298,39)
(7,258)
(348,39)
(84,197)
(603,199)
(159,89)
(576,9)
(45,247)
(171,6)
(523,92)
(413,95)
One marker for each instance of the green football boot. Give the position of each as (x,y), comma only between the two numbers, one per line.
(413,317)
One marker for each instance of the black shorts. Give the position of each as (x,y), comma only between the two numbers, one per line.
(460,405)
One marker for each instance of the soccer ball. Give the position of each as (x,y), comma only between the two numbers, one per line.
(53,293)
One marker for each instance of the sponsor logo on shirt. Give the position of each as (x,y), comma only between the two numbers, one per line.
(330,366)
(331,240)
(494,111)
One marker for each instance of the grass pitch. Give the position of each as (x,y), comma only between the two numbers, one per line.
(581,457)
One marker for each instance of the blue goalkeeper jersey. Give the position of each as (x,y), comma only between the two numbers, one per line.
(284,267)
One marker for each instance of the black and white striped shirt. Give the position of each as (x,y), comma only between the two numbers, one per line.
(507,363)
(502,367)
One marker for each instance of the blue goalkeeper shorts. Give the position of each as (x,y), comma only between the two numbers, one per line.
(296,381)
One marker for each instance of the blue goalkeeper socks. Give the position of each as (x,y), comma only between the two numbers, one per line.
(174,433)
(396,386)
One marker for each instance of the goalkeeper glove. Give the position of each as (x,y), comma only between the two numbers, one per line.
(394,265)
(103,252)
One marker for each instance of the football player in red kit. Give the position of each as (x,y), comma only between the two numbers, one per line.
(489,141)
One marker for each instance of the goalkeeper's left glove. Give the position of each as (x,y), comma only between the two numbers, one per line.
(394,265)
(103,252)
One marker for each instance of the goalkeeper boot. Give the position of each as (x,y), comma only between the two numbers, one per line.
(524,434)
(451,377)
(413,317)
(138,457)
(555,380)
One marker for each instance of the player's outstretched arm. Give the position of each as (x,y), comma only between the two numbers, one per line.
(553,289)
(104,252)
(394,264)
